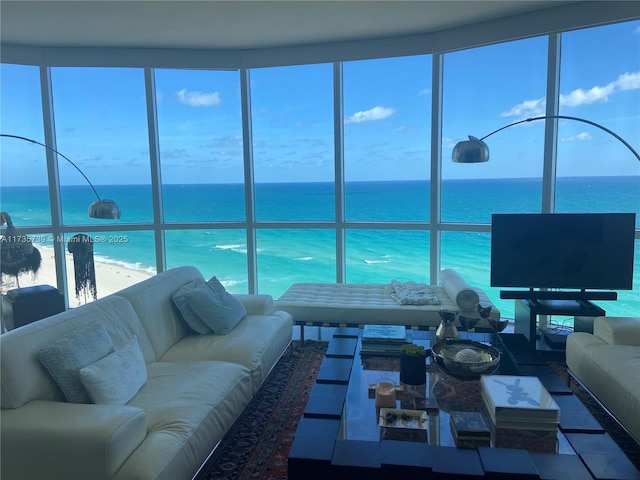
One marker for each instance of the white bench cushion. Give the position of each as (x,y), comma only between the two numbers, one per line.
(363,303)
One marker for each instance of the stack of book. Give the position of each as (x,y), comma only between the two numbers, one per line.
(519,402)
(383,339)
(469,429)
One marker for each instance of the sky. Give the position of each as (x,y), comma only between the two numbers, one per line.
(101,116)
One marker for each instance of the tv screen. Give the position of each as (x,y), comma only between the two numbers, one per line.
(563,250)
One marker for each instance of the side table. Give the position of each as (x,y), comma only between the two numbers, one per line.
(527,311)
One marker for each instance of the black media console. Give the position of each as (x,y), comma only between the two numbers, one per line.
(527,311)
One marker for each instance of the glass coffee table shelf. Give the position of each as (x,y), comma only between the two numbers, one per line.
(442,392)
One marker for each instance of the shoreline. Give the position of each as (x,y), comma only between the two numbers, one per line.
(110,277)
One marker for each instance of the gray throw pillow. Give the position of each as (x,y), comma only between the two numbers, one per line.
(209,304)
(65,357)
(180,300)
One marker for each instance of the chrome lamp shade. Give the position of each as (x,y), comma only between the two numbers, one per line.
(473,150)
(104,209)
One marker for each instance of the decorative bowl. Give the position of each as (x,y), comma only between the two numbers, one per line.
(465,358)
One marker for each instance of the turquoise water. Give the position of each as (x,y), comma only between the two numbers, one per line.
(286,256)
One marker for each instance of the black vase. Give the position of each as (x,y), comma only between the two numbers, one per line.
(413,369)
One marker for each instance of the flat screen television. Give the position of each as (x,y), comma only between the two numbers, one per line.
(578,251)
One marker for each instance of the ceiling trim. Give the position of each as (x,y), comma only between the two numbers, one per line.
(557,19)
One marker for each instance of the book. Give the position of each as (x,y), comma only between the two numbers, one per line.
(469,425)
(390,334)
(514,401)
(469,429)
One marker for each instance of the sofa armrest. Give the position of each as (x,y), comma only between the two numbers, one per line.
(46,439)
(618,330)
(256,304)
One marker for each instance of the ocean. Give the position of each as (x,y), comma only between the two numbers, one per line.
(286,256)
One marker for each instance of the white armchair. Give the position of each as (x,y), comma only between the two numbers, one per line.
(607,362)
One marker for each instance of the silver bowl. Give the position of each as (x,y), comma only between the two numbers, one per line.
(465,358)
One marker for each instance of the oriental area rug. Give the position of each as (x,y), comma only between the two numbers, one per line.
(258,443)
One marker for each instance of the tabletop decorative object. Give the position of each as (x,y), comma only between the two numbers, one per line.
(447,329)
(464,358)
(413,367)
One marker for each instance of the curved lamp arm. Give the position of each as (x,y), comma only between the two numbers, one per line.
(103,208)
(476,150)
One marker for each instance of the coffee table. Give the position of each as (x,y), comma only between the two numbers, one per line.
(338,433)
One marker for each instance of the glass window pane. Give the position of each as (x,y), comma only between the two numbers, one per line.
(291,256)
(121,258)
(484,89)
(600,79)
(101,126)
(24,191)
(387,106)
(292,117)
(379,256)
(200,135)
(215,252)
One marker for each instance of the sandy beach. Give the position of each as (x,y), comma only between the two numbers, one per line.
(109,277)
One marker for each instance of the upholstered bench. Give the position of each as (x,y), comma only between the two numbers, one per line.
(358,304)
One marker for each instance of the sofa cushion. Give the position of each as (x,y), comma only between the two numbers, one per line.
(208,308)
(65,357)
(189,408)
(256,343)
(116,378)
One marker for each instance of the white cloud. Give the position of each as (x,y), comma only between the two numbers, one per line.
(628,81)
(527,108)
(578,97)
(425,91)
(372,115)
(578,137)
(198,99)
(175,153)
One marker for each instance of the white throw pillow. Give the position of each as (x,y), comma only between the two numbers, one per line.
(65,357)
(116,378)
(209,304)
(459,290)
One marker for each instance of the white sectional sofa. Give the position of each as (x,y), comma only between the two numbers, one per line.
(607,362)
(195,387)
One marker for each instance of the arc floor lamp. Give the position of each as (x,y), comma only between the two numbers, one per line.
(101,208)
(475,150)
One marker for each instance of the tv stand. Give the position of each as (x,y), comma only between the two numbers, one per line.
(527,311)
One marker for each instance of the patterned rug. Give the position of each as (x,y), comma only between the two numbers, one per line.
(258,443)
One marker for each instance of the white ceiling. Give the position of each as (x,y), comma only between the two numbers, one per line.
(232,25)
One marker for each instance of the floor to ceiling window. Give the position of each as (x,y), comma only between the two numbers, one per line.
(202,170)
(373,122)
(387,121)
(600,82)
(293,161)
(484,89)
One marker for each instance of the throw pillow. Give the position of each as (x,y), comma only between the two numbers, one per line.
(180,300)
(459,290)
(65,357)
(116,378)
(213,306)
